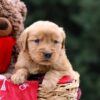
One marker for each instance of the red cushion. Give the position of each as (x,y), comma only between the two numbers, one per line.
(6,45)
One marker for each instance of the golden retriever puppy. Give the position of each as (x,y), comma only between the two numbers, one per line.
(42,51)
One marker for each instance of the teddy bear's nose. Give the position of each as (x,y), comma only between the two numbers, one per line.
(3,25)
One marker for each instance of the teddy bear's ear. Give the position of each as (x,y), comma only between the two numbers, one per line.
(23,9)
(5,27)
(22,40)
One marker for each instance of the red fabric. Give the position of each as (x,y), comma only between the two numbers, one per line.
(65,79)
(26,91)
(79,93)
(6,45)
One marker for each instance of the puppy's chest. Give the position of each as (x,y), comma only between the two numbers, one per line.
(36,69)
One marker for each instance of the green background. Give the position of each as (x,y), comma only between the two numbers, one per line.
(81,22)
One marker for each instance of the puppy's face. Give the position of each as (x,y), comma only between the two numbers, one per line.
(45,42)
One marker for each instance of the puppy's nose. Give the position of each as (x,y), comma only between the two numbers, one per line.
(47,55)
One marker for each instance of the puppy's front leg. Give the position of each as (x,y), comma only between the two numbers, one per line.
(20,76)
(51,79)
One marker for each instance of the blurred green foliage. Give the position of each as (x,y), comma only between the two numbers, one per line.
(81,21)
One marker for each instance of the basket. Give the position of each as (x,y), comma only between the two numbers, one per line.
(63,91)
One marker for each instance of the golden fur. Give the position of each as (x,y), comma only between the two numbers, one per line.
(39,38)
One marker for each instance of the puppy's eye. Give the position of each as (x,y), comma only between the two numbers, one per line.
(37,41)
(55,41)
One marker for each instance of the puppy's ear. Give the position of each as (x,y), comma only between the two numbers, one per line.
(63,36)
(63,44)
(22,40)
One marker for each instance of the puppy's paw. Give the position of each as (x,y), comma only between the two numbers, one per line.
(18,78)
(75,75)
(48,85)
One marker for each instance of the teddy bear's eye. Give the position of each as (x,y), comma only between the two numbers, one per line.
(37,41)
(56,41)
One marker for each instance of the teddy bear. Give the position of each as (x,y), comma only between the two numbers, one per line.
(12,16)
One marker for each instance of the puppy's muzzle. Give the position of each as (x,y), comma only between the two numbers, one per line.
(47,55)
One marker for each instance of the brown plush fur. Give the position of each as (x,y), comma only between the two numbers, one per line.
(39,38)
(15,12)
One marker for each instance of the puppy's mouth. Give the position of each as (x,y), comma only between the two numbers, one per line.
(45,62)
